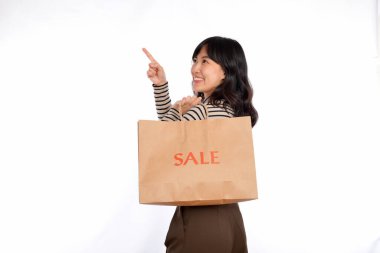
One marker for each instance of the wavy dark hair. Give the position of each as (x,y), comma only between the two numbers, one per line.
(235,89)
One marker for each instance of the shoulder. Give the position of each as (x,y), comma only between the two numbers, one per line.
(221,109)
(197,112)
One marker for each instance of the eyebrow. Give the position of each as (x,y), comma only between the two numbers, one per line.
(203,57)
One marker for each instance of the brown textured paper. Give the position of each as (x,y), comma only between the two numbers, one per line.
(220,168)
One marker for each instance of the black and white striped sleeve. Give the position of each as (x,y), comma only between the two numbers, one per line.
(208,111)
(200,112)
(172,115)
(219,111)
(162,100)
(197,112)
(165,112)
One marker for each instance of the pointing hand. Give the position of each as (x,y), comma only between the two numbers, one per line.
(155,73)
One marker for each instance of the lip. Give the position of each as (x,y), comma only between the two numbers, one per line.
(197,83)
(197,79)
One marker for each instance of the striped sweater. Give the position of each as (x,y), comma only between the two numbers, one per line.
(166,112)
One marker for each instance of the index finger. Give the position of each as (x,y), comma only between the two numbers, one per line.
(149,55)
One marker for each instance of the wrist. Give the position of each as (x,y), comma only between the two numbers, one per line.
(160,84)
(176,107)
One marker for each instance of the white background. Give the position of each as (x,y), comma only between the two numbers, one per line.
(73,86)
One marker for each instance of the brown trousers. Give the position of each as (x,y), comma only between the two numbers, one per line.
(207,229)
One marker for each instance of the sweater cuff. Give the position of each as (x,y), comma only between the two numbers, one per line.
(175,112)
(157,86)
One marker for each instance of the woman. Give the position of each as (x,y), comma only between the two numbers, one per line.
(220,81)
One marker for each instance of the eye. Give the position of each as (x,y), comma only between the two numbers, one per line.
(194,60)
(204,61)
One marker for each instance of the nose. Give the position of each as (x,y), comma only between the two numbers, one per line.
(195,68)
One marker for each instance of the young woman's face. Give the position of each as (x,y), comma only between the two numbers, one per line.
(207,74)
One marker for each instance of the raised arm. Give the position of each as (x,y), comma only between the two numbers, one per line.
(156,75)
(165,110)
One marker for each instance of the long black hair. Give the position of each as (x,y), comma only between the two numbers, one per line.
(235,89)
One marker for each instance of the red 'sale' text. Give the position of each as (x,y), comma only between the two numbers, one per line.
(183,159)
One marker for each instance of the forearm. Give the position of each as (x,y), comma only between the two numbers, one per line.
(162,100)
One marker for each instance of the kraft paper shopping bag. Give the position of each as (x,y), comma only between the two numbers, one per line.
(203,162)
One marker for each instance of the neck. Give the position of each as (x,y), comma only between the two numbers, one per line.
(205,99)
